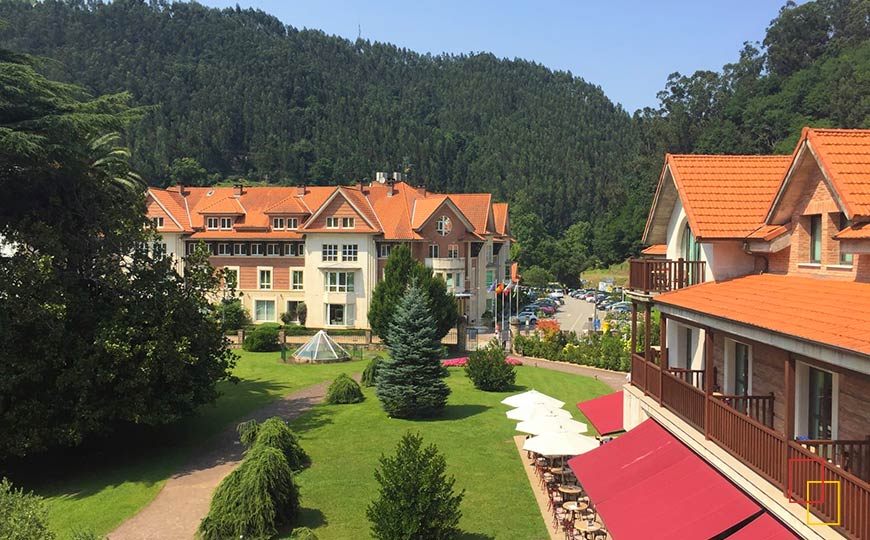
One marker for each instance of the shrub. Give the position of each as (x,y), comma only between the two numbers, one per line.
(370,374)
(23,516)
(415,494)
(303,533)
(302,313)
(274,433)
(262,339)
(488,369)
(253,500)
(344,390)
(288,317)
(232,315)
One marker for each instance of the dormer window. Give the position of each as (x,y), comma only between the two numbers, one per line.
(292,223)
(278,224)
(332,223)
(226,223)
(211,223)
(347,223)
(816,239)
(158,222)
(846,259)
(443,226)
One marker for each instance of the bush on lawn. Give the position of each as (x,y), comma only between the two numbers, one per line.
(232,315)
(253,500)
(262,339)
(274,433)
(414,494)
(370,374)
(488,369)
(344,390)
(303,533)
(23,516)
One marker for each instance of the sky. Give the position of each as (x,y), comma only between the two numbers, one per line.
(627,47)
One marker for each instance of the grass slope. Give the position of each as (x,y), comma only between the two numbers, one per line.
(98,487)
(345,441)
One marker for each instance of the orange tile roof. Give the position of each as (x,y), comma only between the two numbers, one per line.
(844,154)
(424,208)
(726,196)
(500,213)
(287,205)
(858,231)
(656,250)
(477,207)
(767,232)
(807,308)
(173,203)
(225,206)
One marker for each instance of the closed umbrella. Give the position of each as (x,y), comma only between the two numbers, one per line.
(551,424)
(532,397)
(560,444)
(528,413)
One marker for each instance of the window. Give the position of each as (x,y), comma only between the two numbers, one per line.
(264,310)
(256,249)
(453,251)
(239,249)
(443,226)
(293,310)
(332,223)
(278,224)
(490,278)
(226,223)
(741,369)
(158,249)
(347,223)
(158,222)
(296,280)
(339,281)
(330,252)
(293,249)
(820,415)
(211,223)
(845,258)
(224,249)
(433,251)
(339,314)
(231,277)
(448,279)
(384,250)
(349,252)
(816,238)
(273,249)
(292,223)
(265,281)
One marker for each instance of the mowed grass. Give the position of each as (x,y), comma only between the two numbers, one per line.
(345,442)
(619,273)
(98,487)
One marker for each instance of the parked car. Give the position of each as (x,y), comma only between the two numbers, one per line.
(626,305)
(618,310)
(527,317)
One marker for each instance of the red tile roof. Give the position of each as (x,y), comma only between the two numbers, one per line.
(726,196)
(829,312)
(500,213)
(173,203)
(858,231)
(656,250)
(767,232)
(477,207)
(424,208)
(845,157)
(228,206)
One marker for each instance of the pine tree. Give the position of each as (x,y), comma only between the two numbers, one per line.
(410,382)
(416,497)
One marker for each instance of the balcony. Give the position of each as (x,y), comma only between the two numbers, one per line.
(445,264)
(662,275)
(742,425)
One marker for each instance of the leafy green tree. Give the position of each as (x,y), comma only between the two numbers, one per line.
(401,269)
(410,382)
(416,498)
(187,171)
(232,314)
(275,433)
(23,516)
(537,277)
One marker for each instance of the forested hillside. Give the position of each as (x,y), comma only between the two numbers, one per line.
(244,96)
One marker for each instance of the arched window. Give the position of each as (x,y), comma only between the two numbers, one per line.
(691,250)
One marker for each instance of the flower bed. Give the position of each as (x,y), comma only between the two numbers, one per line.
(461,361)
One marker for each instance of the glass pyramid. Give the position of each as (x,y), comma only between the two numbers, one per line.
(321,348)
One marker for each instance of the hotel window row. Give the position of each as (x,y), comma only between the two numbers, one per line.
(346,222)
(223,224)
(235,249)
(285,224)
(349,252)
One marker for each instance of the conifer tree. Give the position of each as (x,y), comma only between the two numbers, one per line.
(410,382)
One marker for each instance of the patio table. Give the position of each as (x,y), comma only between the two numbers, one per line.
(583,526)
(570,490)
(574,506)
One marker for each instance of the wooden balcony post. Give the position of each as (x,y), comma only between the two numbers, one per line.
(708,379)
(646,331)
(663,355)
(680,273)
(633,327)
(789,376)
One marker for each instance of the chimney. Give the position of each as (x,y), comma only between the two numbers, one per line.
(423,188)
(238,190)
(359,186)
(181,189)
(392,185)
(300,190)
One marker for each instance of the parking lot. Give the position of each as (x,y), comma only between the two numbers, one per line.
(575,315)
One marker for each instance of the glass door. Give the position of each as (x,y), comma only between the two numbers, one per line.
(820,417)
(741,369)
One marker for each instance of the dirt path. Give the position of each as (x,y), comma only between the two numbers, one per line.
(182,503)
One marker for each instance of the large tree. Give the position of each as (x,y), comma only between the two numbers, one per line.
(96,327)
(399,271)
(410,382)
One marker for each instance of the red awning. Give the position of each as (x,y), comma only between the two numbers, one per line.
(604,412)
(764,527)
(647,484)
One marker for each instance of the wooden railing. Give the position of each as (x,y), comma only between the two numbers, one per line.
(645,375)
(759,408)
(695,377)
(683,399)
(661,275)
(849,506)
(851,456)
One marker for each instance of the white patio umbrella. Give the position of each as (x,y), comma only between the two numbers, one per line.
(528,413)
(532,397)
(551,424)
(560,444)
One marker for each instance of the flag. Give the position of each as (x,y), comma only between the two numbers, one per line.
(508,288)
(499,288)
(515,276)
(492,286)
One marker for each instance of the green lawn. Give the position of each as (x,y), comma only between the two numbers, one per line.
(97,489)
(345,442)
(619,273)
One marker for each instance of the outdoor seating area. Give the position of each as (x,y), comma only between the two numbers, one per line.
(552,438)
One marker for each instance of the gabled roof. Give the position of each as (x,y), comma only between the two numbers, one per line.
(477,207)
(724,197)
(355,199)
(229,206)
(172,203)
(858,231)
(424,210)
(844,155)
(287,205)
(500,213)
(787,305)
(656,250)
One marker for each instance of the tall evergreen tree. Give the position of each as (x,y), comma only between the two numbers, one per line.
(410,382)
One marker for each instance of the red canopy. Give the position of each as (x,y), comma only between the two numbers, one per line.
(764,527)
(647,484)
(604,412)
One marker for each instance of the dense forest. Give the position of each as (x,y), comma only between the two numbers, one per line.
(236,94)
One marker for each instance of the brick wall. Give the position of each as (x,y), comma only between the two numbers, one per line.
(248,278)
(854,413)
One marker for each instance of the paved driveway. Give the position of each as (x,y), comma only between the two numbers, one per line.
(575,314)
